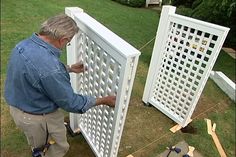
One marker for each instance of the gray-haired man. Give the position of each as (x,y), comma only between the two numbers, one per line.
(38,84)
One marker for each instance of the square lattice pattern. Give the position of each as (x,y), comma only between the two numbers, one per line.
(111,64)
(101,79)
(102,76)
(184,64)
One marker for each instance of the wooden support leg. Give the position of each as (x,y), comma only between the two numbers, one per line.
(177,127)
(211,131)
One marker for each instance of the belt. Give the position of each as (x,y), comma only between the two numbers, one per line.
(38,114)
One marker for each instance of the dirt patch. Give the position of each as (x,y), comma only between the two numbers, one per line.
(79,147)
(143,125)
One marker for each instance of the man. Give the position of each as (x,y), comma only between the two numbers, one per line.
(38,84)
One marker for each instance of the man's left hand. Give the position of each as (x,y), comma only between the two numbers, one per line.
(77,68)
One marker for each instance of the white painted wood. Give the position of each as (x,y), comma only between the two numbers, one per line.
(153,2)
(158,46)
(111,64)
(184,53)
(71,59)
(224,83)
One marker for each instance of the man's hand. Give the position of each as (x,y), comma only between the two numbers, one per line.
(77,68)
(108,100)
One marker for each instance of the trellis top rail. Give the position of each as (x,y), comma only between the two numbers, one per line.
(204,24)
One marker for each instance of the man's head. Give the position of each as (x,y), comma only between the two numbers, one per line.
(60,29)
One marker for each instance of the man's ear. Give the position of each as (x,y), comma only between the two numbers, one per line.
(64,40)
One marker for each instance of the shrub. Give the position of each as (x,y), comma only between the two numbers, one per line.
(221,12)
(186,3)
(196,3)
(166,2)
(137,3)
(184,11)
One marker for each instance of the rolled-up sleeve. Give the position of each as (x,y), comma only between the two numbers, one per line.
(58,88)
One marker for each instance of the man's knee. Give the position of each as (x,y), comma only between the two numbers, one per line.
(66,147)
(58,150)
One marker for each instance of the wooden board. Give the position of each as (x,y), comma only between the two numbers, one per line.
(211,130)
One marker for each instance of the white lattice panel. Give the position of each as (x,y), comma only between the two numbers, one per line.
(183,56)
(111,64)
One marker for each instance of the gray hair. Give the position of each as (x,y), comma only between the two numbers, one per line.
(58,27)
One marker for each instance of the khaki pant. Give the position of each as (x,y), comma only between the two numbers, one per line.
(35,130)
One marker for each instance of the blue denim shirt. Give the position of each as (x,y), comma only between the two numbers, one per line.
(38,82)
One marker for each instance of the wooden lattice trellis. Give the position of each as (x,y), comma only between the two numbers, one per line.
(184,53)
(111,64)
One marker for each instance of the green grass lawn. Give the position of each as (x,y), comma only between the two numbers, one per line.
(146,132)
(226,64)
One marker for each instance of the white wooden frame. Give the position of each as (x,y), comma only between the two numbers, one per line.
(159,2)
(184,53)
(111,64)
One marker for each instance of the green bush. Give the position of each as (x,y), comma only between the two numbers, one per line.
(184,11)
(186,3)
(137,3)
(166,2)
(221,12)
(196,3)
